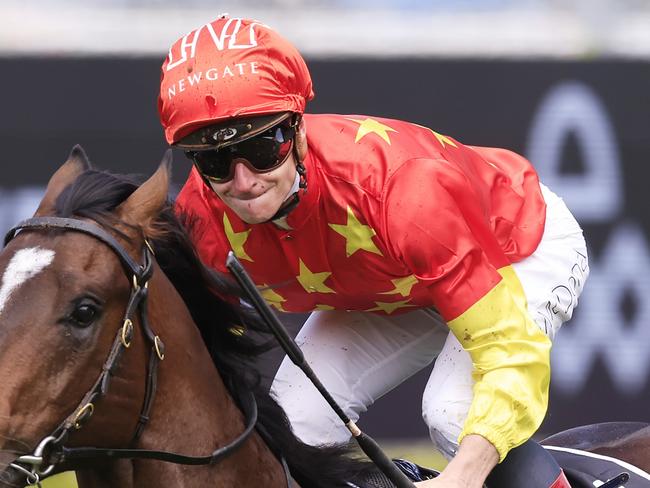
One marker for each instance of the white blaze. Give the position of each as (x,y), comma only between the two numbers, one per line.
(25,264)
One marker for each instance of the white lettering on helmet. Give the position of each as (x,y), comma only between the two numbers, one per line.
(219,39)
(227,38)
(183,49)
(195,78)
(211,74)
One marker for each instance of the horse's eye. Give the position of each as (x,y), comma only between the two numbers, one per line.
(84,314)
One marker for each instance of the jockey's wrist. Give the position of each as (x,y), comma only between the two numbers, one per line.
(475,459)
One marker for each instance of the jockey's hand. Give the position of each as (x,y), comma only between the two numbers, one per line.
(473,462)
(443,481)
(438,483)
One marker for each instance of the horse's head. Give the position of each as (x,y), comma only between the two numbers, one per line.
(63,296)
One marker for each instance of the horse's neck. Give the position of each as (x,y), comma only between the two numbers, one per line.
(194,414)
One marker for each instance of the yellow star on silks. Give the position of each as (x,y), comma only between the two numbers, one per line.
(272,297)
(321,306)
(236,239)
(402,286)
(371,126)
(389,307)
(357,236)
(442,139)
(313,282)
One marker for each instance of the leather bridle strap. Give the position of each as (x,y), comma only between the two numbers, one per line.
(137,302)
(124,336)
(79,226)
(250,411)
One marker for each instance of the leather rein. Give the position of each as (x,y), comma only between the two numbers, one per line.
(51,450)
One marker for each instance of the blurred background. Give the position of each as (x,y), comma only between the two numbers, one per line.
(563,82)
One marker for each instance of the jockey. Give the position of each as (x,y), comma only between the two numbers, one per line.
(406,245)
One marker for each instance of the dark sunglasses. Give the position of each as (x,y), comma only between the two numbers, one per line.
(261,154)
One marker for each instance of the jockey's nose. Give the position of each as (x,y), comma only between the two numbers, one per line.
(243,177)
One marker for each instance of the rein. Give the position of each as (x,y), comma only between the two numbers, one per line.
(51,449)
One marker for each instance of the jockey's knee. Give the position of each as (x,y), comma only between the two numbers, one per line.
(318,428)
(445,425)
(312,420)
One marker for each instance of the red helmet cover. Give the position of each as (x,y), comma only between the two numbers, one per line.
(229,68)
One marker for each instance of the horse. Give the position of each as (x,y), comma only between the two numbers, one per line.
(106,311)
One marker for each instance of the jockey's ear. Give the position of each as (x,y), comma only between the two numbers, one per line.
(147,201)
(76,164)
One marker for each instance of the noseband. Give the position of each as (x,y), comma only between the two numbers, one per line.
(51,450)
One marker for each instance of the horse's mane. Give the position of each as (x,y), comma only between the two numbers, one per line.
(213,301)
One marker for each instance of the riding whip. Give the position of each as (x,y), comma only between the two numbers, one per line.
(366,443)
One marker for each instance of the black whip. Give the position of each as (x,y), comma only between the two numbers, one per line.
(367,443)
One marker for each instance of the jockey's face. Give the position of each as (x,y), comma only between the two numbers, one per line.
(256,197)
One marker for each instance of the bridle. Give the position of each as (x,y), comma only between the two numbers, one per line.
(51,450)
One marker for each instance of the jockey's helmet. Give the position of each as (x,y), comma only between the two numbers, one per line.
(230,68)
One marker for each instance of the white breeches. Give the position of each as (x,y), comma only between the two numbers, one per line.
(361,356)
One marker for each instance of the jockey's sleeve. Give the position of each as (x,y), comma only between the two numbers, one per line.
(511,366)
(437,223)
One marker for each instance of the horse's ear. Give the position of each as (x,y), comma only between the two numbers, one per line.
(145,203)
(76,164)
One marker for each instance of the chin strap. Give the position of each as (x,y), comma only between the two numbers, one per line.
(302,173)
(300,183)
(288,205)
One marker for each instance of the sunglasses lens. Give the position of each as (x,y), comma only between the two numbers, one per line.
(266,151)
(214,164)
(261,153)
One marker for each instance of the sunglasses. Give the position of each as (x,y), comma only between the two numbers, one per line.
(261,154)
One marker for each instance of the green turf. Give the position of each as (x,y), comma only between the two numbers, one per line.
(420,452)
(63,480)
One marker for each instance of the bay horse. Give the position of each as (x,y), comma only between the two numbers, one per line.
(106,310)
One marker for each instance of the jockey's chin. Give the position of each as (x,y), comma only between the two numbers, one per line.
(256,197)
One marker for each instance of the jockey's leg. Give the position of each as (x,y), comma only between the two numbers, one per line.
(358,357)
(448,396)
(554,275)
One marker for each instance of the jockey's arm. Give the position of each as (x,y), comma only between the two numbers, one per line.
(476,290)
(511,365)
(511,372)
